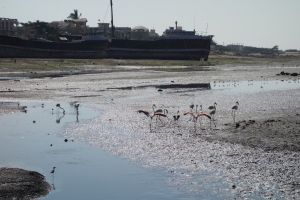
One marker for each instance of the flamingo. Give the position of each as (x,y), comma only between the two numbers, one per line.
(213,107)
(164,111)
(200,111)
(212,113)
(151,115)
(159,111)
(203,114)
(192,114)
(58,106)
(234,109)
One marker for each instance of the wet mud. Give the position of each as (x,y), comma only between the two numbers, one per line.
(22,184)
(271,134)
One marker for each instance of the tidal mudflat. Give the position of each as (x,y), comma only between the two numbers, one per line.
(112,146)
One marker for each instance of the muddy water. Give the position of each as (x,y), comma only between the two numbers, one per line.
(195,165)
(35,140)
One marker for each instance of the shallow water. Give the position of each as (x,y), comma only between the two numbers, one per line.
(82,172)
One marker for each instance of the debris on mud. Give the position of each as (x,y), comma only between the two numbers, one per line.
(7,107)
(166,86)
(283,73)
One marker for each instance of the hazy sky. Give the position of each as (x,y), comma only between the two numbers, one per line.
(261,23)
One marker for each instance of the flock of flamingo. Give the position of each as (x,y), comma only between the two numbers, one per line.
(196,113)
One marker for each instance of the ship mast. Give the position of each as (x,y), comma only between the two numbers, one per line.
(112,20)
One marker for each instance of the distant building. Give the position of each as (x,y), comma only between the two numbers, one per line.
(102,29)
(71,26)
(140,33)
(8,26)
(153,34)
(124,33)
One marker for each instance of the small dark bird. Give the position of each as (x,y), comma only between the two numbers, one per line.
(53,170)
(66,140)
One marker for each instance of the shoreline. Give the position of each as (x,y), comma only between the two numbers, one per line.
(251,147)
(41,68)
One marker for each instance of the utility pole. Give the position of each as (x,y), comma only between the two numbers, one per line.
(112,20)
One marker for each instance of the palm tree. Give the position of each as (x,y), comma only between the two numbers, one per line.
(74,15)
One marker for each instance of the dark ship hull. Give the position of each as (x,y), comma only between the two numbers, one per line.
(13,47)
(172,49)
(163,48)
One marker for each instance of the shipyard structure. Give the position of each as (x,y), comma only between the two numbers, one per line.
(72,38)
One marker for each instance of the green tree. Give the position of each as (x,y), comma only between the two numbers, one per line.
(40,29)
(74,15)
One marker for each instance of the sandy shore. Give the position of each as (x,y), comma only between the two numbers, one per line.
(259,153)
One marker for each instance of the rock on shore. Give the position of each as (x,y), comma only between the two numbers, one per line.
(22,184)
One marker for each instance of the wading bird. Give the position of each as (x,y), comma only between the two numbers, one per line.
(164,111)
(202,114)
(159,111)
(58,106)
(192,107)
(212,113)
(193,115)
(213,107)
(234,109)
(177,116)
(157,115)
(53,170)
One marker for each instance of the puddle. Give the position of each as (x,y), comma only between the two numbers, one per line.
(34,140)
(256,86)
(3,78)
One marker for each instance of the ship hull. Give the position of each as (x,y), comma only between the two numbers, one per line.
(173,49)
(12,47)
(165,54)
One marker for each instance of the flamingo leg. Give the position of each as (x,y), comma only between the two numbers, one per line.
(234,116)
